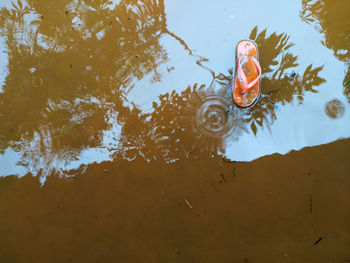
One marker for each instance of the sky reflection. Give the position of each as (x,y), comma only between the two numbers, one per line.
(89,81)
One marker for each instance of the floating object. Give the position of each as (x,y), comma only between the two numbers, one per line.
(246,88)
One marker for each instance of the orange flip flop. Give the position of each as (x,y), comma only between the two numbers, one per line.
(246,88)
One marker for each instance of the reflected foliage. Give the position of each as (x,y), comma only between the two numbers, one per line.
(279,81)
(332,19)
(170,132)
(16,14)
(173,130)
(281,84)
(72,66)
(69,67)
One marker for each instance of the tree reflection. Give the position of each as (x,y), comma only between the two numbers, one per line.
(175,128)
(171,132)
(71,67)
(280,83)
(333,21)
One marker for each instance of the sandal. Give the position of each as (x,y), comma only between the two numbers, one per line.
(246,89)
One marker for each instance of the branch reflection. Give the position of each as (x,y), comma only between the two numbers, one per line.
(333,21)
(72,64)
(201,120)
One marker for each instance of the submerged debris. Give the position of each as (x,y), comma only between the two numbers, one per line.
(177,251)
(318,240)
(188,203)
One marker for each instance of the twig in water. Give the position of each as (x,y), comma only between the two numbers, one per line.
(188,203)
(318,240)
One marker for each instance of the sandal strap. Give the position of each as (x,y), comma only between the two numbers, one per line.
(244,82)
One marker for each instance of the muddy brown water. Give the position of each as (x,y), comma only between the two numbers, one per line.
(120,142)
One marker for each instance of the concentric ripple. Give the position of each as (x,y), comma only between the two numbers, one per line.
(335,109)
(213,117)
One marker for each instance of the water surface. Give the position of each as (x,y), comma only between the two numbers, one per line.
(86,82)
(142,85)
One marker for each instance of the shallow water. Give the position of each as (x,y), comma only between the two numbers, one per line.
(145,89)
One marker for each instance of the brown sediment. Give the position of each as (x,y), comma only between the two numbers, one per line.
(134,214)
